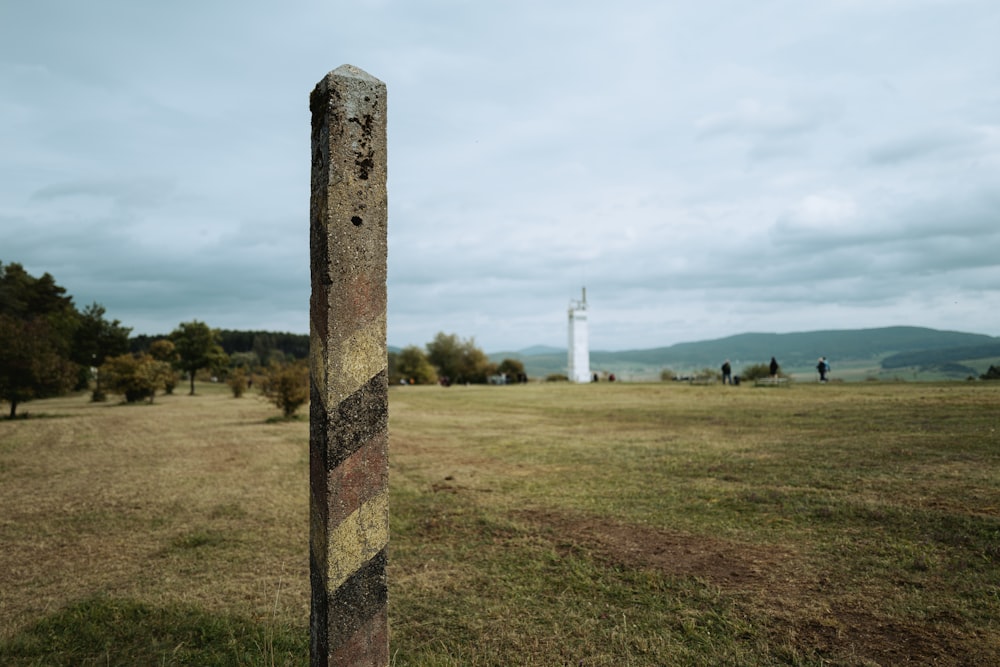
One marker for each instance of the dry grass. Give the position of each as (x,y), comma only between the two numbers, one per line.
(853,524)
(847,524)
(189,501)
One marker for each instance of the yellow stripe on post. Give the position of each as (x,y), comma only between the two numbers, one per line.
(357,359)
(360,537)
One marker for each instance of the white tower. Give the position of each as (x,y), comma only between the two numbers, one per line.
(579,345)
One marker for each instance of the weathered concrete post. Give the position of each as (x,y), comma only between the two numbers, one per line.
(348,433)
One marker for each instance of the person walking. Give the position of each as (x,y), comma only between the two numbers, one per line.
(821,367)
(727,373)
(774,367)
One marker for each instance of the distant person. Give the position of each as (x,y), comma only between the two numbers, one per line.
(774,367)
(823,367)
(727,373)
(596,378)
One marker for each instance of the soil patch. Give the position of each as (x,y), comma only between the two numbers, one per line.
(726,564)
(771,582)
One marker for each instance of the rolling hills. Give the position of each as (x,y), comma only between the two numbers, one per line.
(888,352)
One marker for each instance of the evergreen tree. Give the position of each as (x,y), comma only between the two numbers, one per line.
(37,325)
(197,347)
(96,340)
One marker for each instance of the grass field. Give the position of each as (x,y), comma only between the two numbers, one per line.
(543,524)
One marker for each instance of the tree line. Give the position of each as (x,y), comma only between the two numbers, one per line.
(259,347)
(48,348)
(448,359)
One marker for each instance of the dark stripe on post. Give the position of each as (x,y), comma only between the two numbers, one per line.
(360,599)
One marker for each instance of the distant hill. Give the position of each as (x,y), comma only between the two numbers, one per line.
(938,357)
(536,350)
(796,349)
(857,347)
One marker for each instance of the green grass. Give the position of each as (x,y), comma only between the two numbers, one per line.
(546,524)
(665,524)
(101,631)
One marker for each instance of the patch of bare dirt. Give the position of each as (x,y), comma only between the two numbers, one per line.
(804,610)
(729,565)
(858,637)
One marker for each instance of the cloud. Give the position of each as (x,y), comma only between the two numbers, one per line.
(942,143)
(701,169)
(753,118)
(837,219)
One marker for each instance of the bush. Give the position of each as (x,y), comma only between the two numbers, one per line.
(237,382)
(992,374)
(513,369)
(413,367)
(287,386)
(136,377)
(459,361)
(756,372)
(164,350)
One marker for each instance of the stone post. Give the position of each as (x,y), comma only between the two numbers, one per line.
(349,395)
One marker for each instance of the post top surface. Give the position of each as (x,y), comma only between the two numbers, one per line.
(352,72)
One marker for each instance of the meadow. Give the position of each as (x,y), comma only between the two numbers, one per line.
(540,524)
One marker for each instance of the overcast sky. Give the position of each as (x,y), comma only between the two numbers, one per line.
(702,168)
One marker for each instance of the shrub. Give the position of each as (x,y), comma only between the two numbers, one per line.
(164,350)
(513,369)
(287,386)
(413,367)
(459,361)
(992,374)
(237,382)
(756,372)
(136,377)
